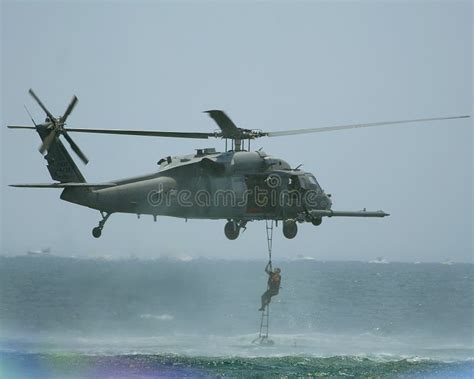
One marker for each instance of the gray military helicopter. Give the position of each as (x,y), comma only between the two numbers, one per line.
(237,185)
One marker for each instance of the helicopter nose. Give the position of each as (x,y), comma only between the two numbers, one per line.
(322,201)
(325,202)
(328,201)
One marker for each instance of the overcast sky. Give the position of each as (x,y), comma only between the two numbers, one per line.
(270,66)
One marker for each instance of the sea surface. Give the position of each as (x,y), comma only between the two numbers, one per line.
(97,318)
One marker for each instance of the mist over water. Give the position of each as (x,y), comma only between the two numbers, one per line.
(209,308)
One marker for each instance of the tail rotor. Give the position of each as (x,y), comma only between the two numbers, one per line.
(56,125)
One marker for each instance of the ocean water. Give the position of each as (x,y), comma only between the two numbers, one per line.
(78,318)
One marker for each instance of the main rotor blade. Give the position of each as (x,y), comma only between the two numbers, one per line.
(51,117)
(76,148)
(354,126)
(146,133)
(229,129)
(69,109)
(47,142)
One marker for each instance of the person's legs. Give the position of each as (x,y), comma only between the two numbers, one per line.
(265,300)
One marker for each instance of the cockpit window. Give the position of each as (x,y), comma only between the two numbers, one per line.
(313,180)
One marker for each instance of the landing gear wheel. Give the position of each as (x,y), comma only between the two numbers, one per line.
(290,229)
(97,232)
(231,230)
(317,221)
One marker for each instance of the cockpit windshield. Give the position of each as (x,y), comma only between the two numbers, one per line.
(312,180)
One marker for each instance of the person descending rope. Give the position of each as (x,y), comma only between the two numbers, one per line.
(273,287)
(274,281)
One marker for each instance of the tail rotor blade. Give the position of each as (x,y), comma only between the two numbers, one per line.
(51,117)
(76,148)
(69,109)
(29,114)
(47,142)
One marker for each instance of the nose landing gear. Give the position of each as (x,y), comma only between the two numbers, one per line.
(97,231)
(317,221)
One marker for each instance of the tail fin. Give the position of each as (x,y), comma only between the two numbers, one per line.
(61,166)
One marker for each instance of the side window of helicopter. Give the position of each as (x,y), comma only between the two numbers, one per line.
(294,183)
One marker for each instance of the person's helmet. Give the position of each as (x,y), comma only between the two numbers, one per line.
(277,270)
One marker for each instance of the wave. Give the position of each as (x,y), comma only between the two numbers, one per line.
(177,366)
(318,345)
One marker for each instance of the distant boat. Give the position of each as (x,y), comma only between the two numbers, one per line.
(447,262)
(379,260)
(184,258)
(305,258)
(41,252)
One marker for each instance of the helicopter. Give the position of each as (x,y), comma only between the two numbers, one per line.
(237,185)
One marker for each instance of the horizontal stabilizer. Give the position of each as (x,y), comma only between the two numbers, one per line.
(331,213)
(64,185)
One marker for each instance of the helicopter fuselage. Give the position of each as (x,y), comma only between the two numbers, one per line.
(241,186)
